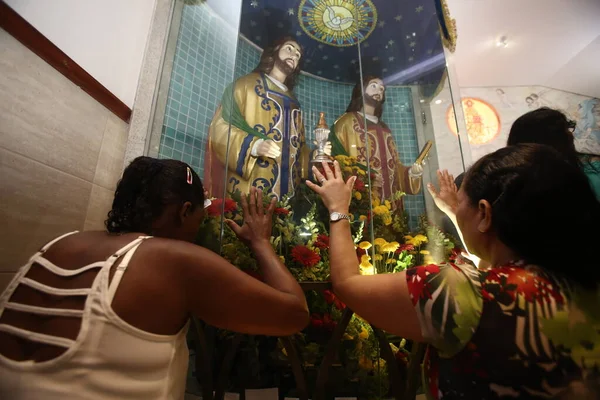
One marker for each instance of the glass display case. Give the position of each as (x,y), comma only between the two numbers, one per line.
(254,93)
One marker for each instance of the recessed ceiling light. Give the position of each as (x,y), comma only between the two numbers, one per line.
(502,42)
(438,101)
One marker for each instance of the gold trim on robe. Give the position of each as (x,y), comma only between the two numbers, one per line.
(383,154)
(271,111)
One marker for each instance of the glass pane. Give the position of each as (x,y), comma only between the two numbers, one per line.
(254,93)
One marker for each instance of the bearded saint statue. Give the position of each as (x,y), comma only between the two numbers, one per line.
(256,137)
(359,124)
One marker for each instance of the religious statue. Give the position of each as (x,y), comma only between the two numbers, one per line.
(256,137)
(349,138)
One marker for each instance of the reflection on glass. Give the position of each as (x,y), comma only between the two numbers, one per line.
(253,108)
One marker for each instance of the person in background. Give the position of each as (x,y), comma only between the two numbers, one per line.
(553,128)
(526,328)
(104,315)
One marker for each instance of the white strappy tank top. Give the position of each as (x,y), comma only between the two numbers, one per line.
(109,359)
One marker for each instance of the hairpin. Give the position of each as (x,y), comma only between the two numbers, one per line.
(189,176)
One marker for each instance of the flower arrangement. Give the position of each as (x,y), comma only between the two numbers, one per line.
(384,244)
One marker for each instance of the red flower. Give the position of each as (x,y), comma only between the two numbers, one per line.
(305,256)
(322,242)
(331,298)
(216,205)
(403,247)
(328,322)
(316,321)
(359,185)
(281,211)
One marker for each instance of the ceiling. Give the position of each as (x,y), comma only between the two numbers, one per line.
(553,43)
(400,40)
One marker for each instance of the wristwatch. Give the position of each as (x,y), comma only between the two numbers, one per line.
(336,216)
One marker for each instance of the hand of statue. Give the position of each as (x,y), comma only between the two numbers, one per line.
(257,223)
(336,193)
(327,148)
(447,198)
(378,181)
(266,148)
(415,171)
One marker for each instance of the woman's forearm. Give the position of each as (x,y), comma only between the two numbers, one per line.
(341,252)
(274,272)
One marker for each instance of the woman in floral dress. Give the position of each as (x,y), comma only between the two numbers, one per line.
(527,328)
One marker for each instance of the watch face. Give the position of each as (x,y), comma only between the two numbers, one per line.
(335,216)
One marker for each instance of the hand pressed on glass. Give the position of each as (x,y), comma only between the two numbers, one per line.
(257,223)
(336,193)
(447,197)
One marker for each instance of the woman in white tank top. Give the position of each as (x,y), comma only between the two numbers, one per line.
(104,315)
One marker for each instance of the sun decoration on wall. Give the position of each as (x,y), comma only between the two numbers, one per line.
(481,118)
(339,23)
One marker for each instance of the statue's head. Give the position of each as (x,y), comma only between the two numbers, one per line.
(374,90)
(285,54)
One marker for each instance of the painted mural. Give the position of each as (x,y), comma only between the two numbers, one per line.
(512,102)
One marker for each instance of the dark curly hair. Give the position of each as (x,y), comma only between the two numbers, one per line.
(269,55)
(537,197)
(147,186)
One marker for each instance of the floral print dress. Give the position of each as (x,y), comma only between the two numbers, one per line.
(511,332)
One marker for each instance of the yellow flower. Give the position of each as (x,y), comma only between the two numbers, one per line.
(362,218)
(408,237)
(378,257)
(421,238)
(366,268)
(348,170)
(365,363)
(357,196)
(352,160)
(387,219)
(375,201)
(428,259)
(390,247)
(381,210)
(380,241)
(364,245)
(391,261)
(341,158)
(364,261)
(364,334)
(424,252)
(282,258)
(367,271)
(388,205)
(360,172)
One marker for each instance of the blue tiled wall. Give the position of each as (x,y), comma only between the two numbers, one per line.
(205,63)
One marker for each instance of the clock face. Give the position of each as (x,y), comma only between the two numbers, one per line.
(337,22)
